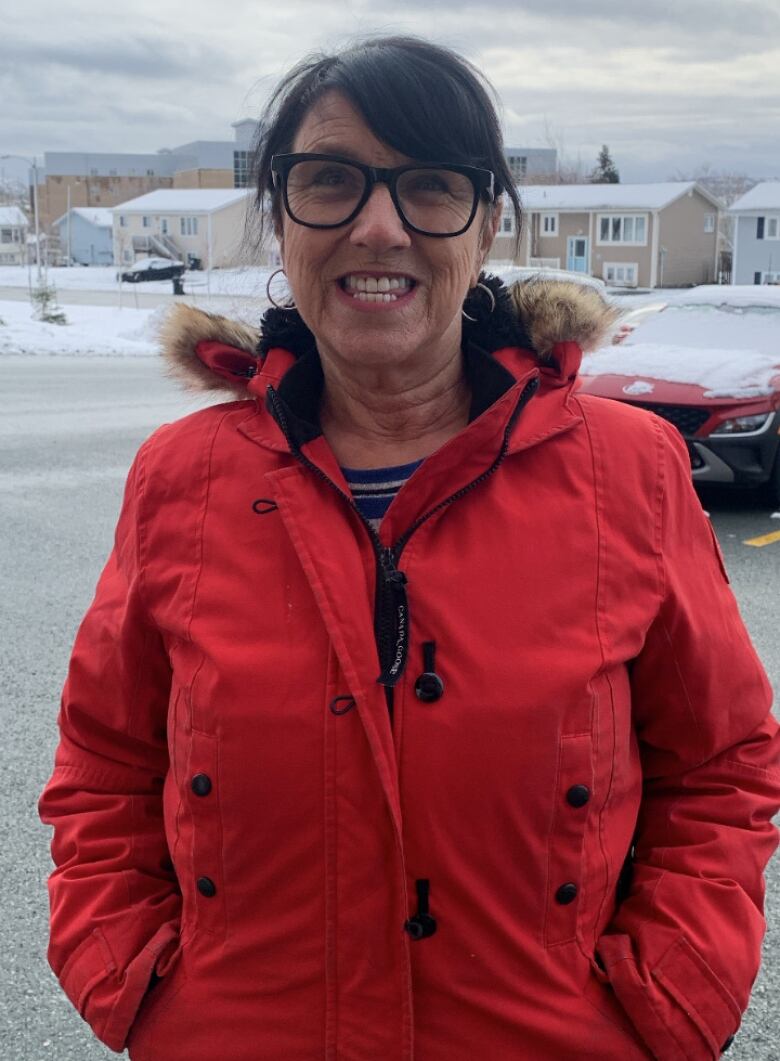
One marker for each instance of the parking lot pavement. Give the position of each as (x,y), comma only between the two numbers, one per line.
(68,431)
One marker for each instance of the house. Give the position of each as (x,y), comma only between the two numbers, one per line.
(757,235)
(86,235)
(207,224)
(13,236)
(629,235)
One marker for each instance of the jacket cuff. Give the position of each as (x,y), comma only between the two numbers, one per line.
(680,1007)
(107,999)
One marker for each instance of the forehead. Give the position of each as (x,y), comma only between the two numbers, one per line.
(334,126)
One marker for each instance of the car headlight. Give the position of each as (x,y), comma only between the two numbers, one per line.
(743,425)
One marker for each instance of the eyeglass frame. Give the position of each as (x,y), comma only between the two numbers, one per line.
(482,180)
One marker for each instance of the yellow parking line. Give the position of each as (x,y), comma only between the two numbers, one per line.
(765,539)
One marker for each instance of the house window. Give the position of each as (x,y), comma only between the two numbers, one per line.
(122,221)
(146,222)
(621,274)
(240,169)
(126,256)
(188,226)
(623,228)
(769,278)
(772,228)
(549,224)
(507,224)
(6,235)
(164,226)
(709,222)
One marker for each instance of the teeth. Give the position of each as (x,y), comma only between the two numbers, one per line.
(372,285)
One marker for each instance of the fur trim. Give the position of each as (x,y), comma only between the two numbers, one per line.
(556,311)
(182,328)
(535,314)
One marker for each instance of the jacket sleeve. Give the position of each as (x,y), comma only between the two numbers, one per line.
(683,949)
(115,903)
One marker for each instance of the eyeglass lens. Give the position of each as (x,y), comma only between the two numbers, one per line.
(326,193)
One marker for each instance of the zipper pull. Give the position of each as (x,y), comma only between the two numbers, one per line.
(395,606)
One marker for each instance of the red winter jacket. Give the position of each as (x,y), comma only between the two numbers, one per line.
(542,837)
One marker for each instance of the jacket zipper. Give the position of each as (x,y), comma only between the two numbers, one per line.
(391,613)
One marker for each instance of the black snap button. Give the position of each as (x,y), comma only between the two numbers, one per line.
(207,887)
(566,894)
(420,926)
(429,687)
(201,784)
(578,795)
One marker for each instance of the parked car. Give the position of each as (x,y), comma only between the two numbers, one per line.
(708,361)
(153,269)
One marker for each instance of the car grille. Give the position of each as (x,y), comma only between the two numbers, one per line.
(686,418)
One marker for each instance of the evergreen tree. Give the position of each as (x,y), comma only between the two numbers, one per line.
(606,170)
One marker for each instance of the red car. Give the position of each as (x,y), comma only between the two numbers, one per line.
(708,361)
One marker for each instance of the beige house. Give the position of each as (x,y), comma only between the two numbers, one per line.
(629,235)
(183,223)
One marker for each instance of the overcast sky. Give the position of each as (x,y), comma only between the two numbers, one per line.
(668,84)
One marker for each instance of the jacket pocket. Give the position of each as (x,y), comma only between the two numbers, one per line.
(572,798)
(680,1007)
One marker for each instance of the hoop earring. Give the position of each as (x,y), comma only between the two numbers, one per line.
(490,295)
(286,306)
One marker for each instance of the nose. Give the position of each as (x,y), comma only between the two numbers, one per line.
(378,225)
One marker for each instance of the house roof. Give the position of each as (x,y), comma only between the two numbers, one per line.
(765,196)
(95,215)
(12,215)
(585,197)
(192,200)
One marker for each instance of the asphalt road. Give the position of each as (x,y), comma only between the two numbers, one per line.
(136,296)
(68,431)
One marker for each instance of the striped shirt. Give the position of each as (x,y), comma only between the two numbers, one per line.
(374,488)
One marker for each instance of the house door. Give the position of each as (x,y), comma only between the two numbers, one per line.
(577,254)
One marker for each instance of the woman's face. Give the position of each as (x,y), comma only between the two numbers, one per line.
(325,266)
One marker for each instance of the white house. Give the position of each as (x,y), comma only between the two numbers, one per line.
(757,235)
(207,224)
(13,236)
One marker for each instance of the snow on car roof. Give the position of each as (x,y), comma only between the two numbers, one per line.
(725,373)
(153,263)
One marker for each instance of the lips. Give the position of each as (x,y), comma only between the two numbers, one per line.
(377,287)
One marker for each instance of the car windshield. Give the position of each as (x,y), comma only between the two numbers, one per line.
(704,327)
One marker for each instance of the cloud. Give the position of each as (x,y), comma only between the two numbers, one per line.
(657,80)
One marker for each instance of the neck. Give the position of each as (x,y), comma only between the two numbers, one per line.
(378,416)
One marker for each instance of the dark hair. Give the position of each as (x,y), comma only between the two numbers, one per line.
(421,99)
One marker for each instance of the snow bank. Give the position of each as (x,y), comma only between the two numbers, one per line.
(93,331)
(725,373)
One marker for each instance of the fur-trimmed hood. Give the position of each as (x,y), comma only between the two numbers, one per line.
(206,351)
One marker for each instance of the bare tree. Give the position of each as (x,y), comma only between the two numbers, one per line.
(15,193)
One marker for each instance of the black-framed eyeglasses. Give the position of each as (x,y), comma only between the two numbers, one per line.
(327,191)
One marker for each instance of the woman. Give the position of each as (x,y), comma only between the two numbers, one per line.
(474,760)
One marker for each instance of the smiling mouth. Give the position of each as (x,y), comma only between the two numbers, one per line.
(376,288)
